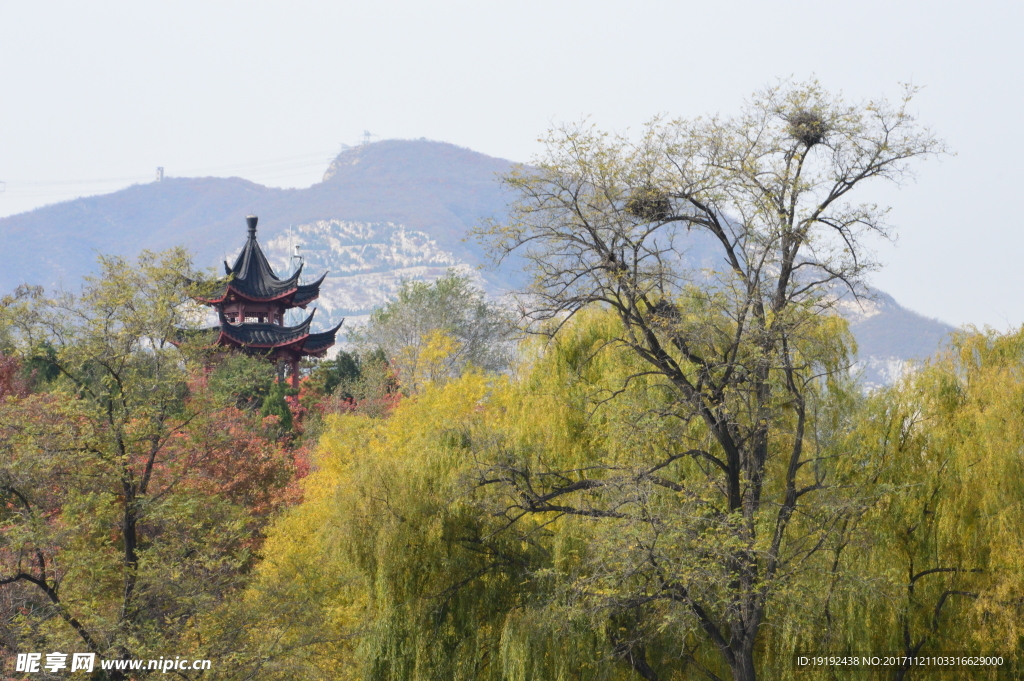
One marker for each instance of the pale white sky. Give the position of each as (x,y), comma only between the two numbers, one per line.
(95,95)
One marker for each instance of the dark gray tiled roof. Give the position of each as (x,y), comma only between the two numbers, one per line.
(307,293)
(265,335)
(272,335)
(253,277)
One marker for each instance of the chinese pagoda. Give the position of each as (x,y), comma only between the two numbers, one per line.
(251,306)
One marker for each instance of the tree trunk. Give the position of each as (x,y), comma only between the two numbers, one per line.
(742,666)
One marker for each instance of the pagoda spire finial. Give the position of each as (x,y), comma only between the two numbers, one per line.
(251,221)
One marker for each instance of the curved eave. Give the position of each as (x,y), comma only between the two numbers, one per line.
(318,343)
(307,293)
(218,298)
(301,294)
(316,284)
(303,302)
(329,333)
(293,333)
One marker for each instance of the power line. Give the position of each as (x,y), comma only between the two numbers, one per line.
(285,163)
(328,155)
(74,191)
(53,183)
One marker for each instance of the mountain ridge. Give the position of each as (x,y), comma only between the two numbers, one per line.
(384,212)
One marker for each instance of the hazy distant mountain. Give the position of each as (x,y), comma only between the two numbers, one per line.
(890,337)
(384,212)
(438,189)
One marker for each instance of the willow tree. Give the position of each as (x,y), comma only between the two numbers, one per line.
(942,551)
(399,565)
(387,570)
(739,339)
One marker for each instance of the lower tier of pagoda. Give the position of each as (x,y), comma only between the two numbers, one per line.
(274,340)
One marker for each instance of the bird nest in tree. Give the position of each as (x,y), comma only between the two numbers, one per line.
(665,310)
(649,205)
(807,127)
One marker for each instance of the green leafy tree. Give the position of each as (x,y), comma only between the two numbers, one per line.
(331,374)
(241,379)
(434,331)
(133,497)
(274,404)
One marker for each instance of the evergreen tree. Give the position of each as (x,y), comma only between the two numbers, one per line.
(274,404)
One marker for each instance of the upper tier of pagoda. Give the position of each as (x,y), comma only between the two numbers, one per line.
(252,279)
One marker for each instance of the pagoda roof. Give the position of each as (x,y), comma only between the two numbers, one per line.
(252,278)
(318,342)
(272,336)
(307,293)
(264,335)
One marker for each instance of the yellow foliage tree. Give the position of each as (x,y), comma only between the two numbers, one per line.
(375,573)
(428,361)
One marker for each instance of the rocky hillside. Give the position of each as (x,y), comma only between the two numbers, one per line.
(366,261)
(890,337)
(384,212)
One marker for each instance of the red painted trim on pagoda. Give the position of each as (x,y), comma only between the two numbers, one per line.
(239,294)
(289,292)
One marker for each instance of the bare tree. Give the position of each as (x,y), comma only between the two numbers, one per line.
(743,347)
